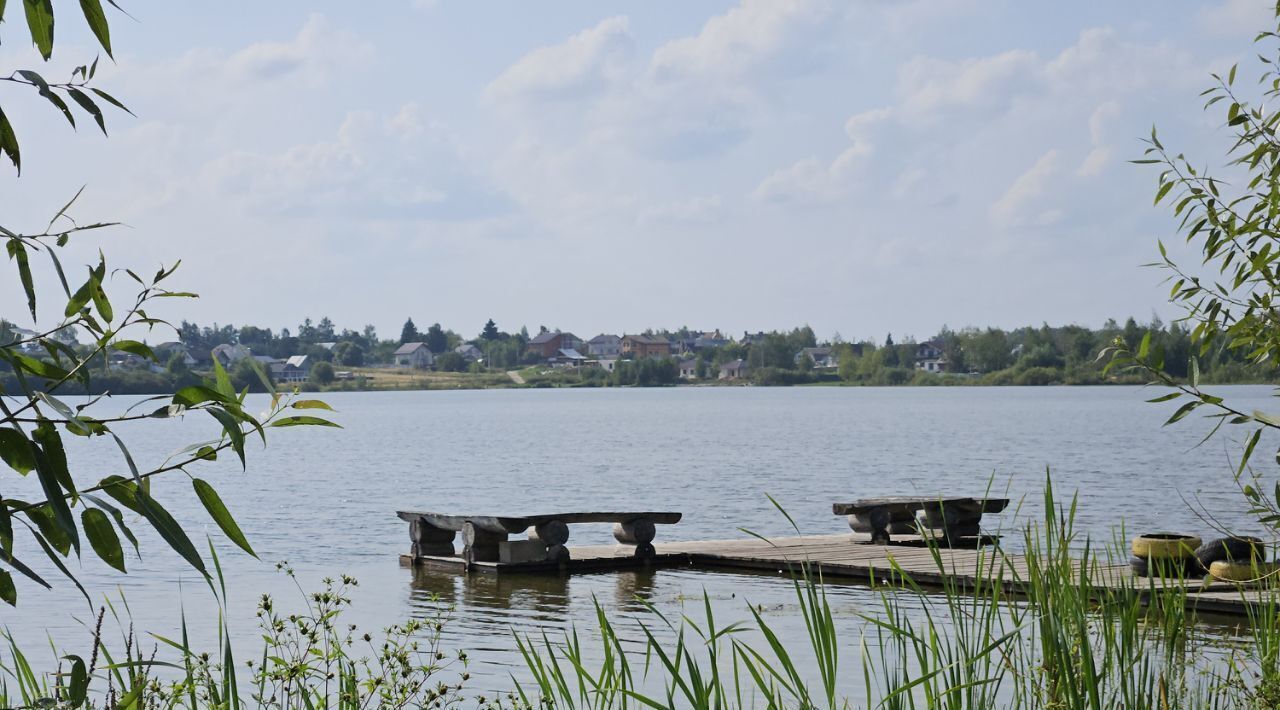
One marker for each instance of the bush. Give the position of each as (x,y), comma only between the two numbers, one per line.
(451,362)
(321,373)
(1039,376)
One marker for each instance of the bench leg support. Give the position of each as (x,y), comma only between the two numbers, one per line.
(639,533)
(480,545)
(429,540)
(879,519)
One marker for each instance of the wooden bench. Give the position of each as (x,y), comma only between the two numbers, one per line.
(484,537)
(945,518)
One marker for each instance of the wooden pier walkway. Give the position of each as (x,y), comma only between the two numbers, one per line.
(850,558)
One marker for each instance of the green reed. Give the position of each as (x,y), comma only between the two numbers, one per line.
(1064,629)
(1058,627)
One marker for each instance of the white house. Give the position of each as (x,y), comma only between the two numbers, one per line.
(414,355)
(295,369)
(822,358)
(930,356)
(688,368)
(734,370)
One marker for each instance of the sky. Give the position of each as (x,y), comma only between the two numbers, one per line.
(865,167)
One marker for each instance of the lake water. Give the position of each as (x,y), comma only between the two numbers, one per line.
(325,499)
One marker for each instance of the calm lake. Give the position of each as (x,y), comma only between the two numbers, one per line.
(325,499)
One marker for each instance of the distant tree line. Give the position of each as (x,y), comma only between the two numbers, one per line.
(1022,356)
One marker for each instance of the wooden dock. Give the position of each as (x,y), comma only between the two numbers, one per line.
(850,558)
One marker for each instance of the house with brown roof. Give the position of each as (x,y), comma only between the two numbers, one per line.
(645,346)
(548,343)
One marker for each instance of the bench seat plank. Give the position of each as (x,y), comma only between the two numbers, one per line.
(520,523)
(914,503)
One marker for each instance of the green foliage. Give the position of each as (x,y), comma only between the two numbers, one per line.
(321,373)
(436,339)
(451,362)
(1073,635)
(348,353)
(309,658)
(645,372)
(409,333)
(1231,297)
(44,371)
(40,23)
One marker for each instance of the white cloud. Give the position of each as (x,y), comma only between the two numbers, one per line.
(399,167)
(810,180)
(1241,19)
(927,87)
(585,63)
(1100,154)
(1021,203)
(315,51)
(702,209)
(740,40)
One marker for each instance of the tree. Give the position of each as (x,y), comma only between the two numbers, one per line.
(889,353)
(989,351)
(437,340)
(74,506)
(325,331)
(490,331)
(409,333)
(1232,295)
(451,362)
(349,354)
(321,373)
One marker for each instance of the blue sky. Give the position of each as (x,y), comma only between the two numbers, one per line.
(864,167)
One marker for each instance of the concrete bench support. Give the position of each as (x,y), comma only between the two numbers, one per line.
(485,537)
(427,539)
(946,519)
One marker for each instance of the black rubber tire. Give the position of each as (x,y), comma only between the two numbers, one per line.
(1138,565)
(1187,568)
(1229,549)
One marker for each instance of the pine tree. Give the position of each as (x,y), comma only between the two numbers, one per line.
(409,333)
(490,331)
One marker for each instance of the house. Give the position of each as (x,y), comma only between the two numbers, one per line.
(414,355)
(734,370)
(645,346)
(567,357)
(120,358)
(703,340)
(165,352)
(548,343)
(822,358)
(752,338)
(295,369)
(605,345)
(470,352)
(228,355)
(688,368)
(930,356)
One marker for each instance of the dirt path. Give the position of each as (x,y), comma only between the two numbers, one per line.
(515,377)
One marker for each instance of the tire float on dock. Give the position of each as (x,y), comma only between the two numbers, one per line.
(1165,555)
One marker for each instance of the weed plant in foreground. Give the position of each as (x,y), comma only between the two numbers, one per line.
(1057,627)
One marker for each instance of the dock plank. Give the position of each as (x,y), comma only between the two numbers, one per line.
(853,558)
